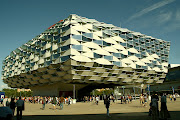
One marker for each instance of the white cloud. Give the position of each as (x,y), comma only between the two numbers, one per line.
(164,17)
(178,15)
(151,8)
(4,86)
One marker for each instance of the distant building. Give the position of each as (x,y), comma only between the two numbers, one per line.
(23,90)
(172,80)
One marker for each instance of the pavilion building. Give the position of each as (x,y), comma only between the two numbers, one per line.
(78,51)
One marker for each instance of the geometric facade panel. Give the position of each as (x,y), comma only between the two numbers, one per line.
(82,50)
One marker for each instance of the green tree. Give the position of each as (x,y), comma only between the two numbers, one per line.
(105,92)
(14,93)
(96,92)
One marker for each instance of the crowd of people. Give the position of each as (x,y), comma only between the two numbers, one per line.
(154,111)
(19,104)
(60,101)
(126,99)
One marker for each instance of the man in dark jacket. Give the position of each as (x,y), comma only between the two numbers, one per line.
(20,108)
(107,104)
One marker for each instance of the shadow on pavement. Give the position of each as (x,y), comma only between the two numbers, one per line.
(175,115)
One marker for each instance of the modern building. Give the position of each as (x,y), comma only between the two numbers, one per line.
(82,52)
(172,81)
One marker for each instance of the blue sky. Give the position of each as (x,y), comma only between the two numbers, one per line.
(22,20)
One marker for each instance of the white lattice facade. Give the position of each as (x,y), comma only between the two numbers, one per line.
(81,50)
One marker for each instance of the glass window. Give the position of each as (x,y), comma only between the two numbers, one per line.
(147,44)
(32,64)
(105,35)
(149,51)
(59,31)
(144,67)
(50,36)
(38,43)
(99,42)
(43,43)
(159,66)
(138,48)
(161,46)
(129,53)
(118,55)
(143,46)
(108,57)
(78,37)
(154,62)
(28,62)
(136,40)
(96,28)
(65,48)
(56,37)
(150,64)
(97,55)
(117,63)
(27,69)
(124,44)
(115,31)
(55,56)
(123,36)
(130,35)
(33,49)
(77,47)
(141,39)
(138,55)
(65,37)
(64,58)
(89,35)
(47,63)
(43,51)
(65,28)
(130,42)
(138,66)
(38,50)
(86,39)
(123,56)
(106,44)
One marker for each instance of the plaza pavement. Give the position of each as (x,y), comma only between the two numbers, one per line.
(90,111)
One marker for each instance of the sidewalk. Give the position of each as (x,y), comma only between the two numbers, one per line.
(90,111)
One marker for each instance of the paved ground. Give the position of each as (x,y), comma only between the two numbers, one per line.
(90,111)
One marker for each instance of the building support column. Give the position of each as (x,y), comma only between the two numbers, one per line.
(74,91)
(134,93)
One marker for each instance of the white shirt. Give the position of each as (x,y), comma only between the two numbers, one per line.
(97,98)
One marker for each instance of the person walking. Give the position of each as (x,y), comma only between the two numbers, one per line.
(54,103)
(170,97)
(69,100)
(164,112)
(174,97)
(12,105)
(20,108)
(107,104)
(61,102)
(97,100)
(154,106)
(2,100)
(43,102)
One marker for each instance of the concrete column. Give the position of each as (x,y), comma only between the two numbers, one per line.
(74,91)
